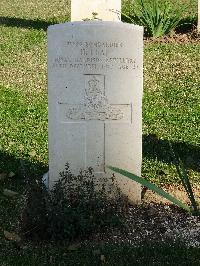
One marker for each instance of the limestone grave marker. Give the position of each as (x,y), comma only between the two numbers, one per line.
(95,82)
(107,10)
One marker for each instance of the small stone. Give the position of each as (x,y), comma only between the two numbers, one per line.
(97,252)
(9,193)
(73,247)
(32,153)
(103,259)
(11,174)
(12,236)
(3,176)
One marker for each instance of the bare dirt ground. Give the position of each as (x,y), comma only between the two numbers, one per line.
(157,220)
(181,38)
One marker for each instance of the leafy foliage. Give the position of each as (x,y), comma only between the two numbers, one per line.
(74,208)
(157,16)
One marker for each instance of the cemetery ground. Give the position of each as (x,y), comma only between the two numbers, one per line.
(171,107)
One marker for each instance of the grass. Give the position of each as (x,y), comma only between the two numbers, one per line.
(171,109)
(170,112)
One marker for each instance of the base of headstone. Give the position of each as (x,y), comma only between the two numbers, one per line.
(122,183)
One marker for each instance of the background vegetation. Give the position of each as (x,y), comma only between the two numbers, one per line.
(170,106)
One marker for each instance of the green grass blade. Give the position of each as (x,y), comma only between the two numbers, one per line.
(184,179)
(151,186)
(177,163)
(189,188)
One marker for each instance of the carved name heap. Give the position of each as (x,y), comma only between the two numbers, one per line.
(94,55)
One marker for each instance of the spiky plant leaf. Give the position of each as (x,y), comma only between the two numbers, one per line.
(150,186)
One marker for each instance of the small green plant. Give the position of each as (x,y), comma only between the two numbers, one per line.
(183,176)
(94,17)
(74,208)
(158,17)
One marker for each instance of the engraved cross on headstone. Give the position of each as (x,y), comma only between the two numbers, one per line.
(97,112)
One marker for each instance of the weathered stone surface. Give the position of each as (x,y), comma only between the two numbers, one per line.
(107,10)
(95,82)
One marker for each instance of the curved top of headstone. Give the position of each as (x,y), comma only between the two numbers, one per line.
(96,24)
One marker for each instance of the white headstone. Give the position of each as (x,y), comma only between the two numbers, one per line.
(107,10)
(95,83)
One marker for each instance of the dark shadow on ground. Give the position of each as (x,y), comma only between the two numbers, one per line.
(21,166)
(187,25)
(155,148)
(26,23)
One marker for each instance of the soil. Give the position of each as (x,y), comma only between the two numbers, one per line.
(156,220)
(178,38)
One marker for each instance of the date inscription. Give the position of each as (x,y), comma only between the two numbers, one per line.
(93,56)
